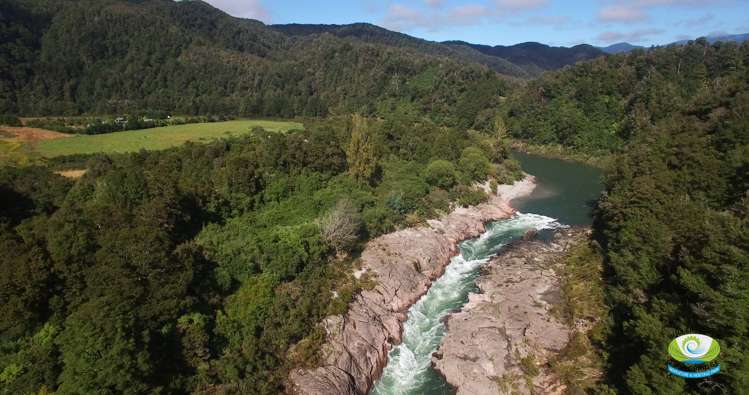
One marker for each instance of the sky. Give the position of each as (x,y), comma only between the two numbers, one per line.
(506,22)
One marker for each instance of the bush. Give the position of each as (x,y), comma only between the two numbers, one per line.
(341,226)
(378,220)
(437,202)
(466,196)
(9,120)
(474,163)
(396,203)
(513,167)
(441,173)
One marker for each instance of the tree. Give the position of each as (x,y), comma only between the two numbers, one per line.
(441,173)
(474,163)
(101,351)
(24,284)
(361,154)
(340,227)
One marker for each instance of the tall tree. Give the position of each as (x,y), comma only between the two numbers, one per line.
(362,153)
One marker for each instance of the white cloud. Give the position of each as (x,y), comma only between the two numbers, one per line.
(253,9)
(404,18)
(635,36)
(628,11)
(433,15)
(622,13)
(520,5)
(468,11)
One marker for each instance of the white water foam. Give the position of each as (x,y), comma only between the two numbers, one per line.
(409,368)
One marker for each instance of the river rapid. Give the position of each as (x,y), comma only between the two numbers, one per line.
(564,195)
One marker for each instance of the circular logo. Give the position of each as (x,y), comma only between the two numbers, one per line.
(694,349)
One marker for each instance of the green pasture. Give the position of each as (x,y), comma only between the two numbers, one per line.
(154,139)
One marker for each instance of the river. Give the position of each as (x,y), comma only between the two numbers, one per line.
(564,195)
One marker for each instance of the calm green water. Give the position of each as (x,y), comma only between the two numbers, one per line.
(564,194)
(565,190)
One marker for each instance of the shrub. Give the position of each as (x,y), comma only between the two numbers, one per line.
(341,226)
(466,196)
(378,220)
(441,173)
(396,202)
(413,219)
(474,163)
(513,167)
(437,201)
(9,120)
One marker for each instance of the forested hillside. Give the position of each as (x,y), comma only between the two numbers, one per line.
(372,34)
(593,107)
(206,268)
(520,60)
(535,57)
(115,56)
(674,220)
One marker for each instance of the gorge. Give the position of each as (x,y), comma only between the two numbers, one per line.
(422,277)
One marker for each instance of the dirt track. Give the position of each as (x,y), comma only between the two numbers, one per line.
(29,135)
(74,174)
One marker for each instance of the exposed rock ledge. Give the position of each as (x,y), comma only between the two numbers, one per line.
(403,264)
(501,339)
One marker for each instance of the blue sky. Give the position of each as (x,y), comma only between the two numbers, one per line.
(554,22)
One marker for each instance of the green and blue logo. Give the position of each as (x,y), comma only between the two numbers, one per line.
(694,350)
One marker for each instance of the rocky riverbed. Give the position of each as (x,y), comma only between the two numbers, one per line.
(403,265)
(502,339)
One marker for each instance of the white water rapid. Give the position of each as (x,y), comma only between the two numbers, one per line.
(409,368)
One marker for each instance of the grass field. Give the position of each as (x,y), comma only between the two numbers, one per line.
(153,139)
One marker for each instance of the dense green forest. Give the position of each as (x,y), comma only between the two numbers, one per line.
(674,219)
(534,57)
(372,34)
(593,107)
(204,268)
(519,60)
(114,57)
(198,268)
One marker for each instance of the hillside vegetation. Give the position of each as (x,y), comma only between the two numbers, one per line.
(205,268)
(673,222)
(534,57)
(367,33)
(593,107)
(115,56)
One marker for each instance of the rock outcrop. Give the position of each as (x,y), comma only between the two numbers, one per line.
(499,342)
(403,265)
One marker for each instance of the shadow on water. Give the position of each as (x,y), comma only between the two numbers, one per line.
(567,191)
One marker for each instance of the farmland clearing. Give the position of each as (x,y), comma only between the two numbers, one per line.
(49,144)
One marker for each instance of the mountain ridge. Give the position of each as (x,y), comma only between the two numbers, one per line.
(531,57)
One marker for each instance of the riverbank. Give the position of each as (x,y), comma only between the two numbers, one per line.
(402,266)
(600,160)
(518,333)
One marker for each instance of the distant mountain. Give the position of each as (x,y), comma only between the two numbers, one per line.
(536,55)
(731,37)
(620,48)
(520,60)
(372,34)
(713,39)
(627,47)
(130,56)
